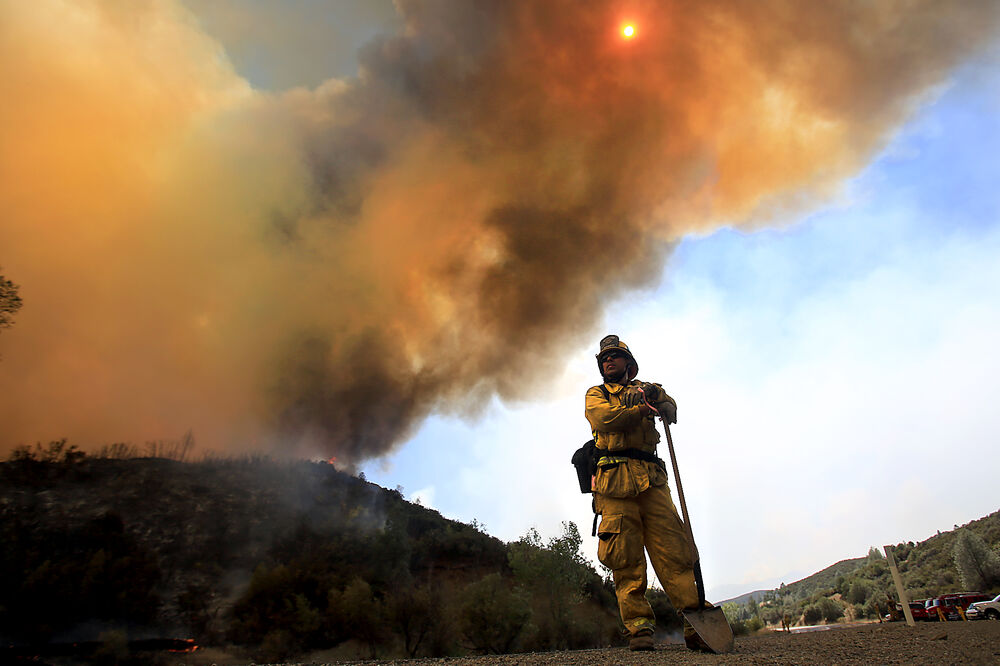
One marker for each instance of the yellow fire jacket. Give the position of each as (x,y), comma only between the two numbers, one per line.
(616,426)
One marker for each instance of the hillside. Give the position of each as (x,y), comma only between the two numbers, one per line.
(275,558)
(863,588)
(820,579)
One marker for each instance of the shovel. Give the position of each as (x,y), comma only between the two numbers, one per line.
(710,622)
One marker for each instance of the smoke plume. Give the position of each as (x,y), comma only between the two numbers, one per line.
(316,271)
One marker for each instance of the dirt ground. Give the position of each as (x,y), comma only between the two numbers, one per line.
(895,643)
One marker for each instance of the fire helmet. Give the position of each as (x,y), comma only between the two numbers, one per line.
(614,343)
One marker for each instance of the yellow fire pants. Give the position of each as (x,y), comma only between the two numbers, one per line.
(632,525)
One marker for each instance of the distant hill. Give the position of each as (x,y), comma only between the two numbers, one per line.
(819,579)
(862,587)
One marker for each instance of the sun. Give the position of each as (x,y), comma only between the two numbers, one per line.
(628,31)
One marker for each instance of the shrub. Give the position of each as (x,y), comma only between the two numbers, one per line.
(363,614)
(831,610)
(416,614)
(858,592)
(493,616)
(977,565)
(875,606)
(812,614)
(736,616)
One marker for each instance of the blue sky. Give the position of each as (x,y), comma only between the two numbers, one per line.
(837,376)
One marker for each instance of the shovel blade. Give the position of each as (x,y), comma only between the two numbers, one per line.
(713,628)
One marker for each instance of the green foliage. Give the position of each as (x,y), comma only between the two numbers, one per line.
(743,618)
(737,616)
(831,610)
(876,605)
(557,571)
(928,568)
(559,580)
(10,302)
(492,615)
(858,591)
(812,614)
(977,564)
(363,613)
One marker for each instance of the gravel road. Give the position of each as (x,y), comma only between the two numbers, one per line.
(895,643)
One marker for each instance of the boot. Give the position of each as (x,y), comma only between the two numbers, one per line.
(641,640)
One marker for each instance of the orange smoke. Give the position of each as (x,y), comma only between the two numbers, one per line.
(317,271)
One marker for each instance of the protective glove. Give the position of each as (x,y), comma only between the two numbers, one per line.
(667,409)
(632,397)
(653,392)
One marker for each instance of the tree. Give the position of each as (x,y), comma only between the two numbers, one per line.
(416,613)
(812,614)
(831,610)
(737,616)
(557,570)
(858,592)
(492,615)
(363,613)
(978,566)
(10,302)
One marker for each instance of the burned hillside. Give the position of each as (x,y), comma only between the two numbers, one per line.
(276,557)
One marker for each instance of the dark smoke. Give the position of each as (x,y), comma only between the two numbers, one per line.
(587,143)
(319,271)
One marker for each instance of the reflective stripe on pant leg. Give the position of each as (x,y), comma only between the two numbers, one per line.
(669,552)
(630,575)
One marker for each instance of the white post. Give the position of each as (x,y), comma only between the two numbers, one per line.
(904,600)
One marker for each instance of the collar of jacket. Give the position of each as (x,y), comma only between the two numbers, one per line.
(616,388)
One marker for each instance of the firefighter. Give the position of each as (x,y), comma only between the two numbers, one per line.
(632,498)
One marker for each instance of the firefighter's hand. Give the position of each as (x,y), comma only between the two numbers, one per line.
(651,391)
(632,397)
(667,410)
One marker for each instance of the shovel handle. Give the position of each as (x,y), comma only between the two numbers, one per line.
(695,558)
(680,490)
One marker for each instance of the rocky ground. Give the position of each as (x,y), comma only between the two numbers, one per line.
(927,643)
